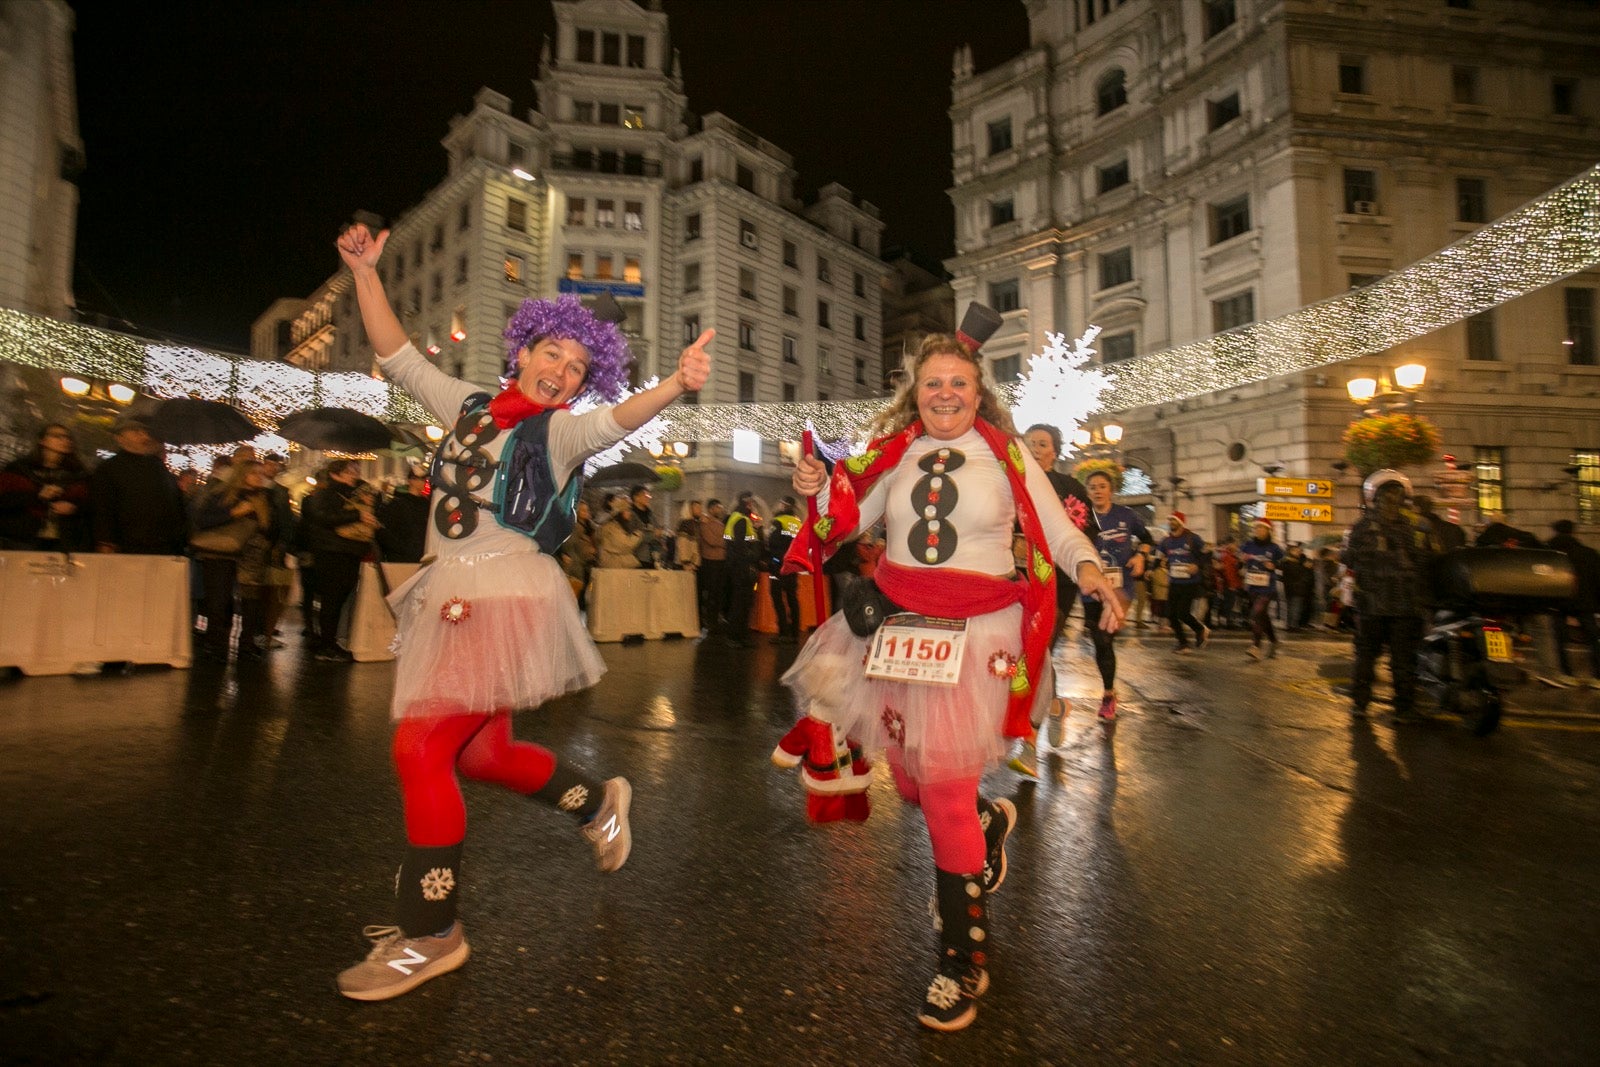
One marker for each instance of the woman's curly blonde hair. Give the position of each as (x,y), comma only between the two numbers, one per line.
(902,408)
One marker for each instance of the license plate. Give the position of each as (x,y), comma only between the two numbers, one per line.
(1497,646)
(918,648)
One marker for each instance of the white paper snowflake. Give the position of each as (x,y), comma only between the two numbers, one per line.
(574,798)
(437,883)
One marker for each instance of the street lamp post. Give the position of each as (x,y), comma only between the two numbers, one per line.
(1389,391)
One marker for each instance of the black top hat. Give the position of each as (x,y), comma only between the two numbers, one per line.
(977,326)
(606,309)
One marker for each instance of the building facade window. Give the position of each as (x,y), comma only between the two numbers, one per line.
(1112,176)
(747,387)
(791,255)
(1472,200)
(1360,191)
(464,217)
(1116,268)
(788,393)
(585,49)
(1222,111)
(1116,347)
(691,328)
(461,269)
(1587,482)
(633,215)
(1353,75)
(636,51)
(824,270)
(824,315)
(1219,15)
(1006,369)
(858,284)
(747,335)
(691,278)
(1110,92)
(574,265)
(1580,340)
(861,371)
(437,244)
(791,301)
(744,177)
(516,216)
(791,348)
(583,111)
(861,328)
(1361,281)
(605,213)
(747,235)
(1000,136)
(436,293)
(1230,219)
(577,208)
(824,363)
(1480,337)
(691,227)
(631,272)
(1233,311)
(603,266)
(611,49)
(697,170)
(1005,295)
(610,114)
(1489,466)
(747,284)
(1563,96)
(1464,84)
(1001,212)
(513,268)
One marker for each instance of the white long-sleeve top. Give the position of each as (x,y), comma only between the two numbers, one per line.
(975,507)
(572,439)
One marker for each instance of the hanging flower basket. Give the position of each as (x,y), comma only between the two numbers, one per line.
(670,478)
(1107,466)
(1396,440)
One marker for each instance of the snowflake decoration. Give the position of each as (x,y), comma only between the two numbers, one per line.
(574,798)
(944,992)
(437,883)
(895,724)
(456,610)
(1003,664)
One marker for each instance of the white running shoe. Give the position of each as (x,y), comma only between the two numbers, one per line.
(608,831)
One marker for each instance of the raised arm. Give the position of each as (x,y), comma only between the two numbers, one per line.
(360,250)
(694,370)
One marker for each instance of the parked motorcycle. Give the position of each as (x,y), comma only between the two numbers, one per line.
(1486,598)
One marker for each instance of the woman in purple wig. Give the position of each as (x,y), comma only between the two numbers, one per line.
(490,626)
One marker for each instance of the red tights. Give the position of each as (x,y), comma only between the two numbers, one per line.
(427,754)
(951,811)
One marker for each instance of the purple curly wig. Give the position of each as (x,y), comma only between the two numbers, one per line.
(565,318)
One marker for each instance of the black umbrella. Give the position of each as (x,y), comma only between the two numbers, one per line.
(622,474)
(185,420)
(336,429)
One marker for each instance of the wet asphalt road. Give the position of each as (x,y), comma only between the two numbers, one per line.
(1245,875)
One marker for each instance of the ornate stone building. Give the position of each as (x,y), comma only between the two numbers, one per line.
(1171,170)
(611,185)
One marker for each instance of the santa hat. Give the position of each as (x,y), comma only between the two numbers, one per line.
(977,326)
(1183,520)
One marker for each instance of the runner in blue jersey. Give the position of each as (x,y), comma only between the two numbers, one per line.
(1120,531)
(1182,549)
(1262,559)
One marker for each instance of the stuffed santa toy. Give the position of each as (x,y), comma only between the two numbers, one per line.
(835,773)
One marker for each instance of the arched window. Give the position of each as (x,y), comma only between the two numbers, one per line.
(1111,92)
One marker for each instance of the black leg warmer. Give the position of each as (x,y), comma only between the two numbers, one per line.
(427,887)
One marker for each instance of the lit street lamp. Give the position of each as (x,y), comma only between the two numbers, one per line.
(1387,393)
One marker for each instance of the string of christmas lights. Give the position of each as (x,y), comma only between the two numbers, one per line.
(1548,239)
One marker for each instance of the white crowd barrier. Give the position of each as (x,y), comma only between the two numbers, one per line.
(648,603)
(371,621)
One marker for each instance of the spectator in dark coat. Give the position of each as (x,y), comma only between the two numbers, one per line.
(1299,586)
(403,522)
(134,500)
(339,531)
(1391,552)
(1586,564)
(44,496)
(1450,535)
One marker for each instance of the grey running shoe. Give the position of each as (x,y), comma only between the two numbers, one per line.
(608,831)
(1058,723)
(398,964)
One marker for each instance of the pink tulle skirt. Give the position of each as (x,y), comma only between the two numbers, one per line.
(493,632)
(939,732)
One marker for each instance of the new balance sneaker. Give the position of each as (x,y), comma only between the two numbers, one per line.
(1026,760)
(1108,709)
(398,964)
(997,819)
(608,831)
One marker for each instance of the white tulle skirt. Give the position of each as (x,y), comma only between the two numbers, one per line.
(485,633)
(939,732)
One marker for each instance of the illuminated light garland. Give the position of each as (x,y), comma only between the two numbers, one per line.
(1550,238)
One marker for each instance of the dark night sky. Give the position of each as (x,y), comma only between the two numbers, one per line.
(227,141)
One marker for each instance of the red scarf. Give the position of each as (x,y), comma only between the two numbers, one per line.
(853,478)
(513,405)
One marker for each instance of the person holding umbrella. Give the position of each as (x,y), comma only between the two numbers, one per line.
(955,672)
(491,627)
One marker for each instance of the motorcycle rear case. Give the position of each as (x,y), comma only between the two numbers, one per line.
(1498,581)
